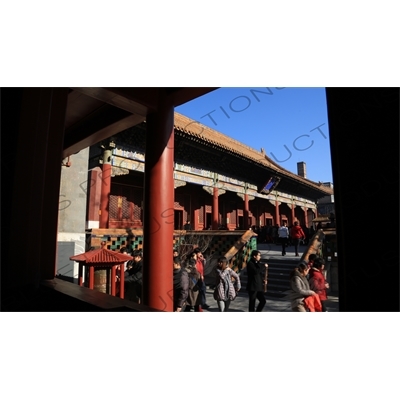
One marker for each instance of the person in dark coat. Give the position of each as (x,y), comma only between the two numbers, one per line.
(181,285)
(255,281)
(133,278)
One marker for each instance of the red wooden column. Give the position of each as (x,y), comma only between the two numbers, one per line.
(159,208)
(80,274)
(293,215)
(105,188)
(305,216)
(122,283)
(215,211)
(195,220)
(277,217)
(246,212)
(91,277)
(113,276)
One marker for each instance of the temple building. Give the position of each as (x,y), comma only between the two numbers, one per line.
(218,183)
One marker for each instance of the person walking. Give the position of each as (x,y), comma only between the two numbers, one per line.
(133,277)
(200,265)
(181,285)
(297,233)
(283,235)
(193,301)
(299,287)
(255,281)
(317,281)
(225,291)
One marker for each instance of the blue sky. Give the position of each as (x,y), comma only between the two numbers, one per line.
(291,124)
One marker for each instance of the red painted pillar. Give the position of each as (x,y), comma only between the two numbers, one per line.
(80,274)
(122,282)
(196,219)
(246,212)
(159,208)
(277,218)
(113,276)
(91,277)
(105,188)
(293,216)
(215,212)
(305,217)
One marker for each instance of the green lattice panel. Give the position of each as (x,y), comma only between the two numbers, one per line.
(116,242)
(242,256)
(221,244)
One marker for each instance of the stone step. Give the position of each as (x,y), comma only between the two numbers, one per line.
(277,282)
(284,278)
(281,280)
(280,262)
(275,293)
(273,273)
(278,286)
(279,272)
(281,284)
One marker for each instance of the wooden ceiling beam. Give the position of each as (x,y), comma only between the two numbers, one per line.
(143,100)
(84,135)
(139,101)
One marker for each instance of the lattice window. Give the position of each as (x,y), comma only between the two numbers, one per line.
(137,212)
(201,215)
(126,214)
(113,207)
(208,209)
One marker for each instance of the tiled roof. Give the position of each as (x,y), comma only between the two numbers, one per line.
(208,135)
(101,256)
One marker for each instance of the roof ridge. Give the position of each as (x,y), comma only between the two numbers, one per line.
(251,152)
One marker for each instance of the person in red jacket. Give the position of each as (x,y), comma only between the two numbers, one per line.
(296,234)
(317,281)
(200,265)
(311,259)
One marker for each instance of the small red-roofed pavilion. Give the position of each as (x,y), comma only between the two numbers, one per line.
(102,258)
